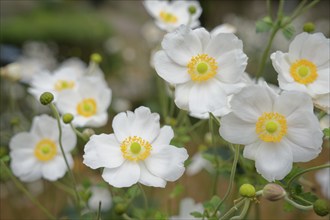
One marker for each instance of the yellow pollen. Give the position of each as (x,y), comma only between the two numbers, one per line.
(45,150)
(135,148)
(202,67)
(63,84)
(271,127)
(304,71)
(87,107)
(168,17)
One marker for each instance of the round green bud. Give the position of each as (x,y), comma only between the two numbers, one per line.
(192,9)
(120,208)
(321,207)
(247,190)
(309,27)
(96,57)
(67,118)
(46,98)
(273,192)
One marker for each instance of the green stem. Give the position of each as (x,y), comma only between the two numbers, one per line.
(290,181)
(58,118)
(196,125)
(217,121)
(146,206)
(233,209)
(98,216)
(216,177)
(231,180)
(280,10)
(298,206)
(79,134)
(300,10)
(302,199)
(20,186)
(126,217)
(244,211)
(64,188)
(162,96)
(269,8)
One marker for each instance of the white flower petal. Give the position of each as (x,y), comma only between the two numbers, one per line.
(274,160)
(255,99)
(204,37)
(69,138)
(300,153)
(182,93)
(250,151)
(23,141)
(45,126)
(236,130)
(103,151)
(124,176)
(323,102)
(181,45)
(27,169)
(148,179)
(290,102)
(165,136)
(67,102)
(169,70)
(166,161)
(322,83)
(56,168)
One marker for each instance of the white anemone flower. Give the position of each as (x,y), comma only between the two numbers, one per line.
(100,194)
(170,15)
(306,67)
(223,28)
(37,154)
(88,104)
(275,129)
(138,151)
(205,69)
(323,178)
(187,206)
(198,163)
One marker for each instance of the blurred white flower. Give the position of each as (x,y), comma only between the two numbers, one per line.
(88,104)
(170,15)
(275,129)
(223,28)
(205,69)
(306,67)
(138,151)
(37,154)
(323,178)
(100,194)
(198,162)
(187,206)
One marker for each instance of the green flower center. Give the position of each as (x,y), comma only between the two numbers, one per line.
(202,68)
(135,148)
(271,126)
(303,71)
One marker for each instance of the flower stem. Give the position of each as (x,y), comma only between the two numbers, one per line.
(20,186)
(231,180)
(233,209)
(79,134)
(98,216)
(298,206)
(146,206)
(290,181)
(216,177)
(58,118)
(244,211)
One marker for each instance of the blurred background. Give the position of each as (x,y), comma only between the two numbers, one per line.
(52,31)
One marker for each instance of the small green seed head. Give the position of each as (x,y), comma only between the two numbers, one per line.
(120,209)
(96,57)
(321,207)
(273,192)
(247,190)
(192,9)
(46,98)
(309,27)
(67,118)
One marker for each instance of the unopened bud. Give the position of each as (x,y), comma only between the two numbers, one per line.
(97,58)
(273,192)
(67,118)
(192,9)
(321,207)
(247,190)
(88,132)
(120,209)
(46,98)
(309,27)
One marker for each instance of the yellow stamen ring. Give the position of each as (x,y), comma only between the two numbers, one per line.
(202,67)
(63,84)
(168,17)
(271,127)
(45,150)
(135,148)
(87,107)
(304,71)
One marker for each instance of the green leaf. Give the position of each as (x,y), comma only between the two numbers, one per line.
(326,132)
(264,24)
(211,205)
(177,191)
(288,32)
(197,214)
(309,196)
(288,207)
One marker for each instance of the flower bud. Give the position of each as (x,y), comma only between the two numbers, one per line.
(46,98)
(273,192)
(192,9)
(67,118)
(309,27)
(321,207)
(120,209)
(97,58)
(88,132)
(247,190)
